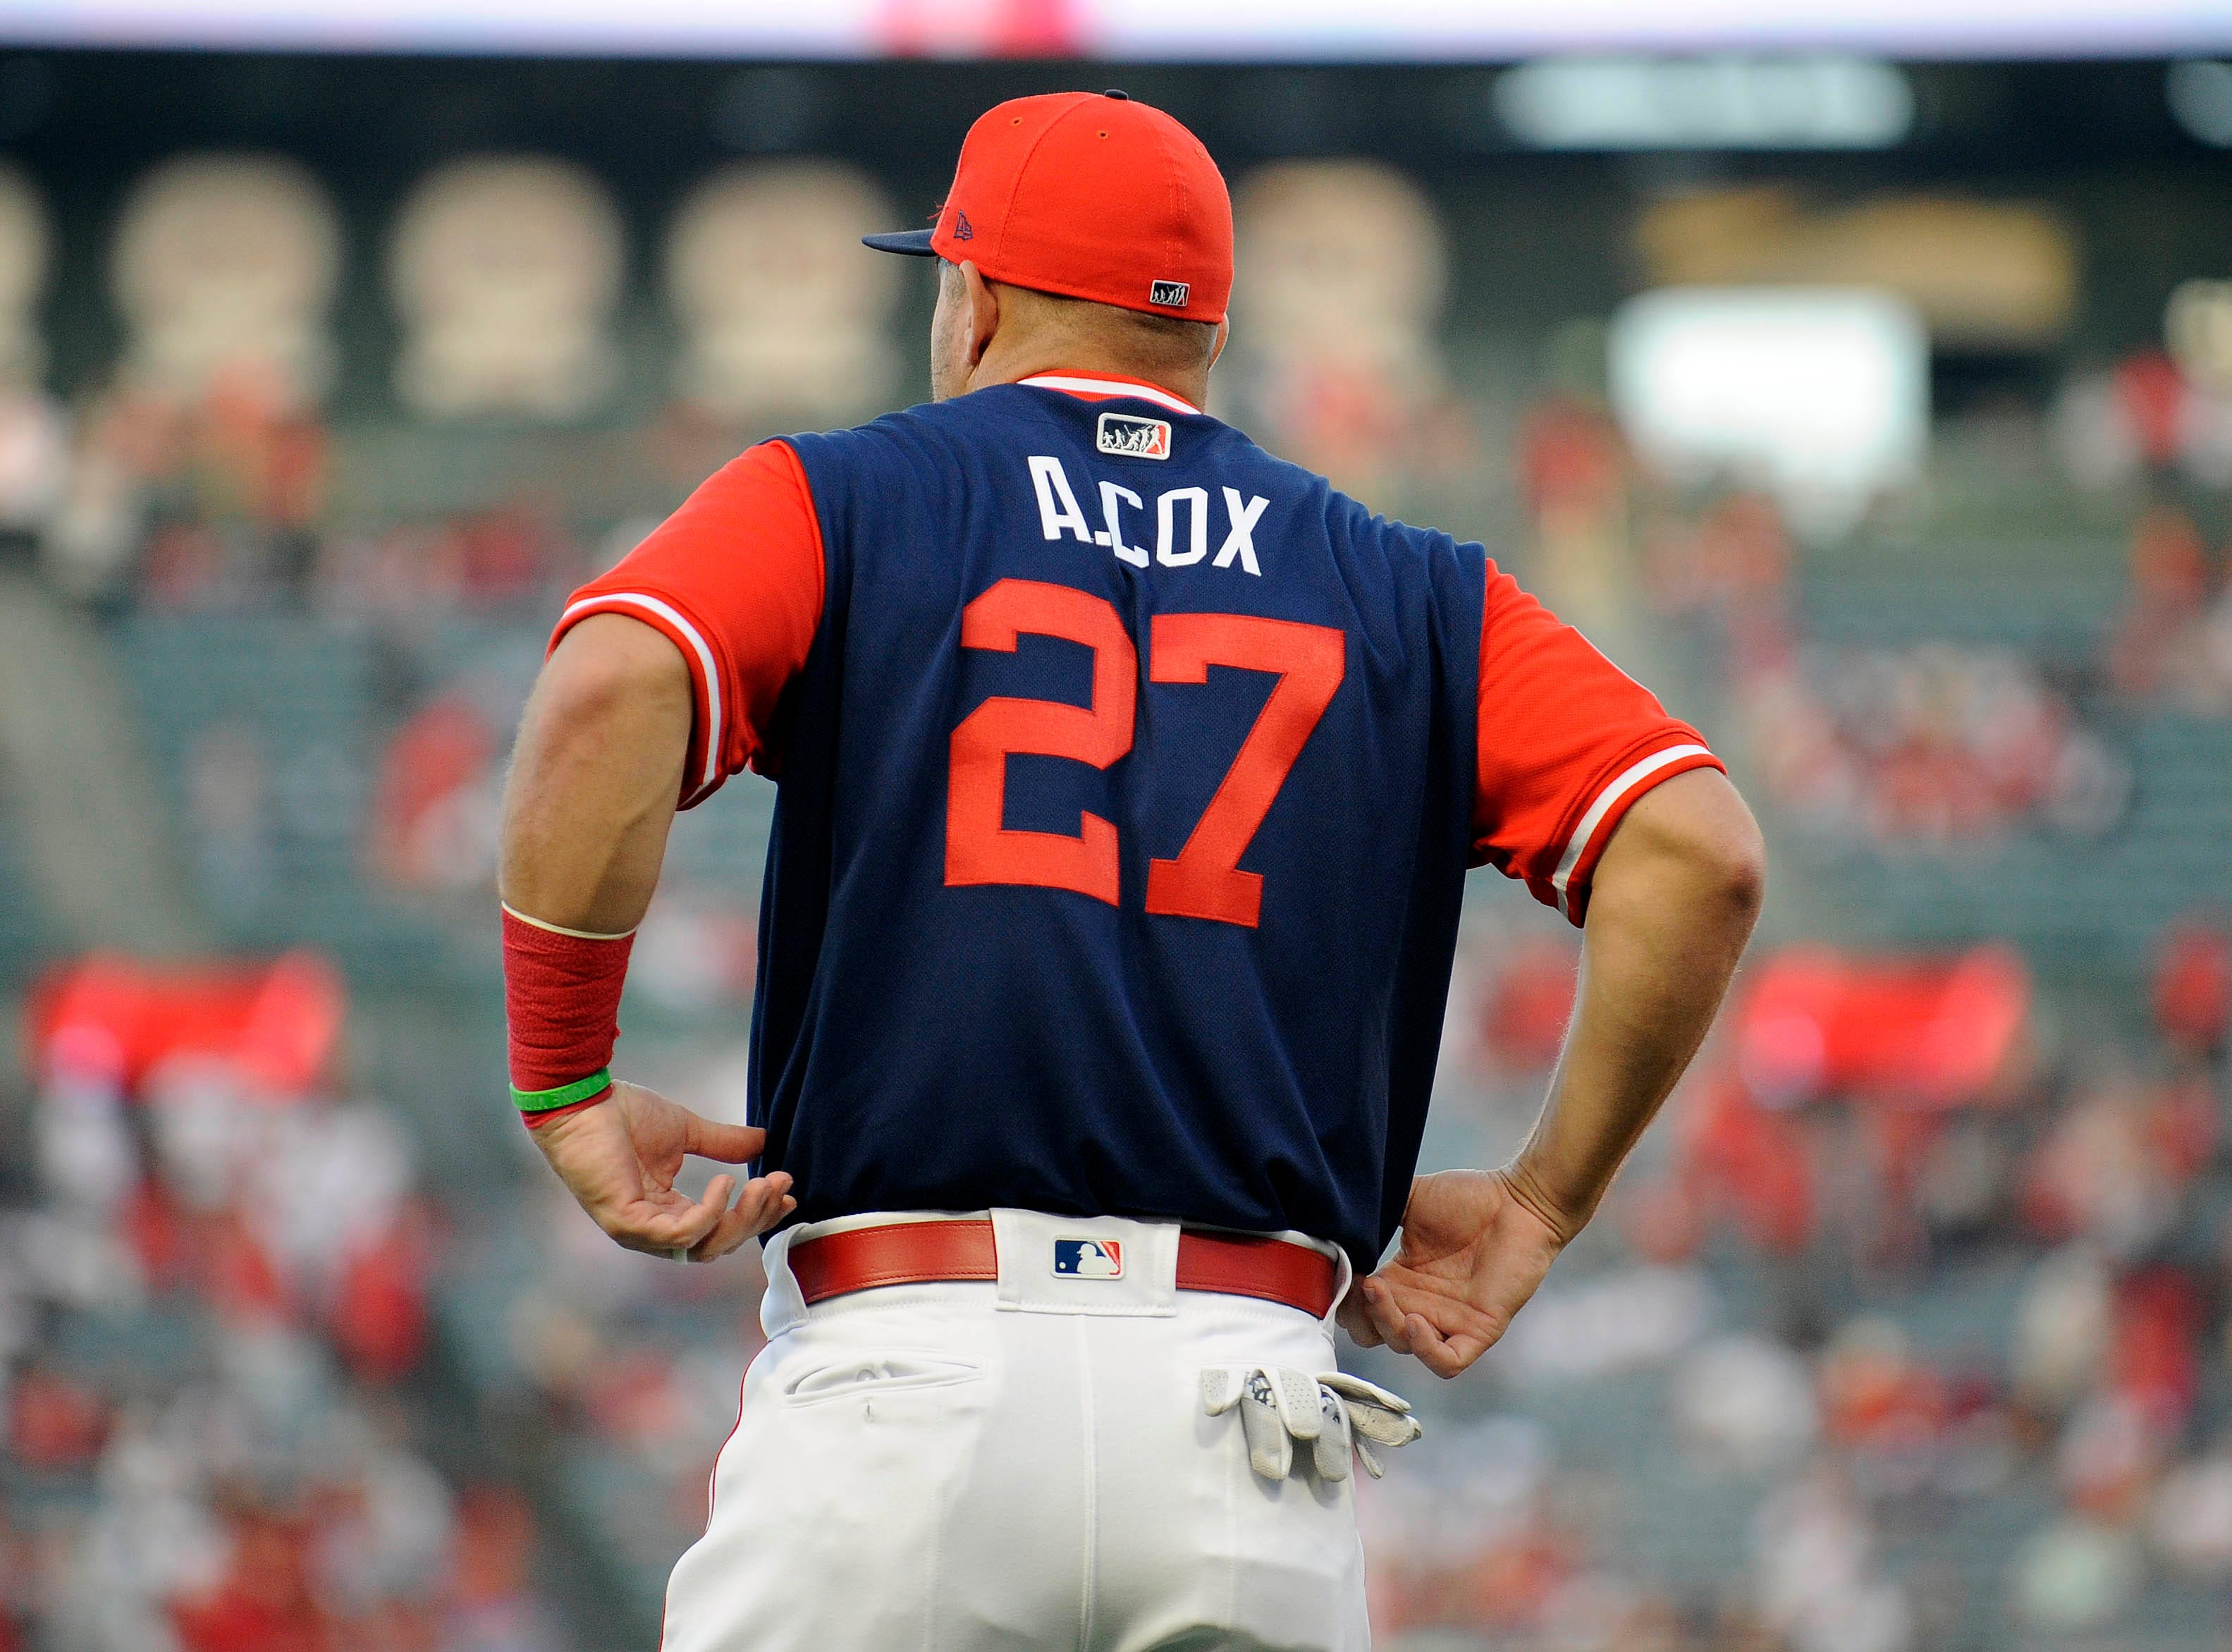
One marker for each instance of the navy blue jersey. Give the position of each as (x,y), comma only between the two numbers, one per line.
(1128,778)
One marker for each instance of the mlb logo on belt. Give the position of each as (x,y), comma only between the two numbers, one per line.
(1084,1258)
(1132,436)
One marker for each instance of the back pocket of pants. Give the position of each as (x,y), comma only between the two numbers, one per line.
(866,1375)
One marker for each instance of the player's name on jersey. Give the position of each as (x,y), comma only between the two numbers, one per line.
(1177,519)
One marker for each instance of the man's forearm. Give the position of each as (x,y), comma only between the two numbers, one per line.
(1672,906)
(594,778)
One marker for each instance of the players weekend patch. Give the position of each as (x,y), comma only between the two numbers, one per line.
(1133,436)
(1086,1258)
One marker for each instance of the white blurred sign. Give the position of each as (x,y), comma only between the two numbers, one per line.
(1722,103)
(1819,396)
(1478,30)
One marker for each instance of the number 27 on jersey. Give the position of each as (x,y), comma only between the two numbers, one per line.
(1205,880)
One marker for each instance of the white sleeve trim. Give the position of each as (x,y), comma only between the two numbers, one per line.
(1578,844)
(711,672)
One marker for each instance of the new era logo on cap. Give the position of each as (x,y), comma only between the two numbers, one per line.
(1084,1258)
(1133,436)
(1172,295)
(961,229)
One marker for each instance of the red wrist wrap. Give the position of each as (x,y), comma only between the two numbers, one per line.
(561,1000)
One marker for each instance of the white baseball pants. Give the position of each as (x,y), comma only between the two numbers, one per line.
(1020,1465)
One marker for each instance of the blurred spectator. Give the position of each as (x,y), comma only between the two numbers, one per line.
(2061,1331)
(34,458)
(433,808)
(94,537)
(1734,564)
(1572,462)
(1737,1156)
(2101,437)
(2193,989)
(1818,1578)
(1876,1396)
(406,572)
(1526,1001)
(1627,1319)
(493,1607)
(2073,1575)
(1928,747)
(1746,1400)
(2150,393)
(2191,1520)
(695,954)
(1573,470)
(2169,581)
(1336,362)
(2147,419)
(2116,1162)
(219,1459)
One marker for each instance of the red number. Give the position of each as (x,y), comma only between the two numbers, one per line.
(1205,881)
(978,849)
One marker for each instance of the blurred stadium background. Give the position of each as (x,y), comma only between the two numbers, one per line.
(1866,380)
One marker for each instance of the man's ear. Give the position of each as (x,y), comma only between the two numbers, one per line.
(984,311)
(1223,338)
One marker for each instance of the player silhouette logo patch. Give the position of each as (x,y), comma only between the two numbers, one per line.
(1172,295)
(1084,1258)
(1132,436)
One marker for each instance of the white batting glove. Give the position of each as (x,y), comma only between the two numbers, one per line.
(1334,1413)
(1374,1415)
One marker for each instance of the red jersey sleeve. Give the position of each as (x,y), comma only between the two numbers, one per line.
(733,579)
(1568,741)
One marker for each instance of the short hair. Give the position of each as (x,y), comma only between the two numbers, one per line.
(1146,342)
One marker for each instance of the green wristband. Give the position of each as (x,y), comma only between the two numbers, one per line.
(545,1101)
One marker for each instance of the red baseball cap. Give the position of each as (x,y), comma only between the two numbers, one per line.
(1090,195)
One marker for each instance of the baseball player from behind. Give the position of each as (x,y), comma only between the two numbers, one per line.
(1128,778)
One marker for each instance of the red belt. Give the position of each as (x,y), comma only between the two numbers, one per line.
(860,1258)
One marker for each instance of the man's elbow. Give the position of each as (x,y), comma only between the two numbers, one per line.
(1722,844)
(1692,841)
(1736,866)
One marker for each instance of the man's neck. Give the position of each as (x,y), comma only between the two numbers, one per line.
(1027,361)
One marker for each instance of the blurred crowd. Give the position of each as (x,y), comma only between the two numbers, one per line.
(1937,1357)
(213,1306)
(631,1366)
(1931,746)
(2173,641)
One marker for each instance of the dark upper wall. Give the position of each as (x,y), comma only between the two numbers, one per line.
(1536,239)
